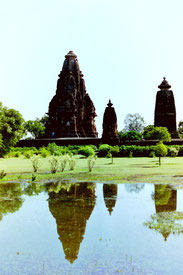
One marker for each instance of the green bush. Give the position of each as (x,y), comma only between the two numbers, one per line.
(36,163)
(72,163)
(91,162)
(44,153)
(52,147)
(152,154)
(63,162)
(86,151)
(131,135)
(54,163)
(104,149)
(172,151)
(28,154)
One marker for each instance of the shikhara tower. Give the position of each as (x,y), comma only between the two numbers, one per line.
(165,112)
(71,111)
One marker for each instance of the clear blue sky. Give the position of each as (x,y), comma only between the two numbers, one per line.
(124,49)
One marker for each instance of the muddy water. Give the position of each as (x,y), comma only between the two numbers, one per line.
(88,228)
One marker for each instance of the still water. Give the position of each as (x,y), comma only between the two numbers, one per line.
(88,228)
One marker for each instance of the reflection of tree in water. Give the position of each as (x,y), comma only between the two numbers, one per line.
(10,198)
(34,189)
(166,220)
(136,188)
(71,206)
(110,196)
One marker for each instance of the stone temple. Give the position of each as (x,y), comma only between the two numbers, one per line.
(110,133)
(71,111)
(165,112)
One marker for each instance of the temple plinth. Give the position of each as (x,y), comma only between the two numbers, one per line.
(71,111)
(110,134)
(165,112)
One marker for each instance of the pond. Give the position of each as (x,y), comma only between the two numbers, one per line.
(89,228)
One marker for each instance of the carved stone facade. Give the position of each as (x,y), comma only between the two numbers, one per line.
(165,112)
(110,134)
(71,111)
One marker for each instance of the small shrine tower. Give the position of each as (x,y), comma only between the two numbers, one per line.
(165,112)
(110,134)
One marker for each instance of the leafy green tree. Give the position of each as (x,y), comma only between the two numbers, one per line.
(131,135)
(157,133)
(11,128)
(35,128)
(134,122)
(160,151)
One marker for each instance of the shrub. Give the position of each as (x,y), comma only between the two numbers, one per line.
(172,151)
(72,163)
(52,147)
(17,154)
(44,153)
(104,149)
(130,154)
(86,151)
(91,162)
(36,163)
(28,154)
(152,154)
(131,135)
(63,163)
(54,163)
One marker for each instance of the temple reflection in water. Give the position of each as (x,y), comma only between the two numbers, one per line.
(110,196)
(71,207)
(166,220)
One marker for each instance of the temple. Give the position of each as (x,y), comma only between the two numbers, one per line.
(71,111)
(165,112)
(110,134)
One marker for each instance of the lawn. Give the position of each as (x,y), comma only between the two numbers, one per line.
(122,170)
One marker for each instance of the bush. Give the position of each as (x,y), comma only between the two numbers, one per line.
(91,162)
(63,162)
(104,149)
(52,147)
(36,163)
(72,163)
(131,135)
(86,151)
(44,153)
(54,163)
(152,154)
(130,154)
(28,154)
(172,151)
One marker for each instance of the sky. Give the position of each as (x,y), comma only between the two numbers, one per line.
(124,50)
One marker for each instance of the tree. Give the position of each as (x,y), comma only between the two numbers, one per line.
(131,135)
(11,128)
(160,151)
(157,133)
(35,127)
(134,122)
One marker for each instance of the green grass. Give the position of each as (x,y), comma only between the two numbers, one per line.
(122,170)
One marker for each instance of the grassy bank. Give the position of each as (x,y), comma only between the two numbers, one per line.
(122,170)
